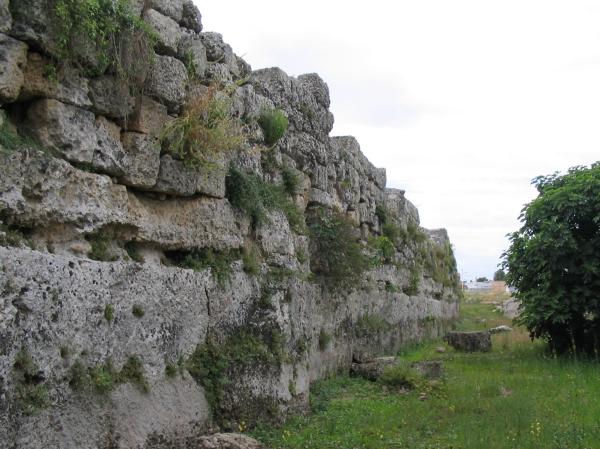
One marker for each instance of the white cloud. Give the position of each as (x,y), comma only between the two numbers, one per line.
(463,102)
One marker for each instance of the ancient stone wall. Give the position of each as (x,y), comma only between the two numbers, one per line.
(106,339)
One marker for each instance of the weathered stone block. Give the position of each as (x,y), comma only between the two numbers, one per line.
(39,191)
(167,82)
(143,160)
(5,17)
(175,178)
(431,369)
(180,224)
(170,8)
(191,17)
(470,341)
(30,22)
(373,369)
(315,84)
(166,29)
(229,441)
(149,117)
(13,57)
(109,156)
(111,97)
(71,89)
(191,49)
(66,298)
(68,129)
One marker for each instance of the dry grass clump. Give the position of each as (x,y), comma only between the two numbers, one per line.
(204,129)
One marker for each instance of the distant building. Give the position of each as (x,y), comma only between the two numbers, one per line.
(474,285)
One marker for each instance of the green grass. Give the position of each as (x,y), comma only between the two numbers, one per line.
(517,396)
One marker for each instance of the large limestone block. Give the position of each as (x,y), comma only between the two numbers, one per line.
(183,12)
(170,8)
(229,441)
(175,178)
(374,368)
(167,82)
(192,50)
(31,22)
(180,224)
(109,156)
(219,52)
(68,129)
(13,57)
(36,190)
(70,88)
(275,236)
(191,17)
(470,341)
(315,84)
(402,210)
(52,302)
(111,97)
(167,31)
(149,117)
(302,100)
(143,160)
(5,17)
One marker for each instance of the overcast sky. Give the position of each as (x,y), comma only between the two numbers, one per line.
(463,101)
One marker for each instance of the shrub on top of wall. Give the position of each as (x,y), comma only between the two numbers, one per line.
(204,129)
(274,124)
(91,33)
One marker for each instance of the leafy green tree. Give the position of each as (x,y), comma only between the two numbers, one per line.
(482,279)
(554,261)
(500,275)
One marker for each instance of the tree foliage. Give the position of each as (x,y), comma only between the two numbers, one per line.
(500,275)
(554,261)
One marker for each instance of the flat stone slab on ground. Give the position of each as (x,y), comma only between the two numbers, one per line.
(478,341)
(431,369)
(373,369)
(229,441)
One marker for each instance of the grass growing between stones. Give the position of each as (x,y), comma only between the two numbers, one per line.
(516,396)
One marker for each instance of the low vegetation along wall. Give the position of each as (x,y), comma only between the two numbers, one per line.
(183,246)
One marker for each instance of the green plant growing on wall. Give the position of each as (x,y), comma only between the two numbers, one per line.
(31,390)
(383,250)
(109,312)
(204,130)
(415,234)
(291,180)
(98,35)
(336,252)
(137,311)
(324,339)
(200,259)
(368,325)
(255,197)
(11,140)
(442,265)
(210,362)
(274,124)
(10,236)
(251,258)
(103,378)
(414,281)
(100,246)
(133,252)
(133,372)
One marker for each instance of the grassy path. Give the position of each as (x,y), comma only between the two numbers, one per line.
(515,397)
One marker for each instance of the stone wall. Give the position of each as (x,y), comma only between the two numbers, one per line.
(96,171)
